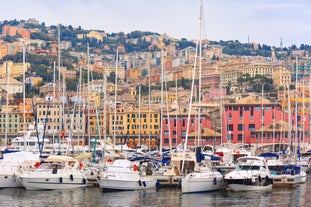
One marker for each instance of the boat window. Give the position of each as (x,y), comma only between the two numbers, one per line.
(249,167)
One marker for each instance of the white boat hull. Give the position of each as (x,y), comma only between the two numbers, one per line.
(201,182)
(53,183)
(289,180)
(115,184)
(10,181)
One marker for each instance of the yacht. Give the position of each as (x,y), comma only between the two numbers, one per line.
(251,173)
(13,165)
(55,173)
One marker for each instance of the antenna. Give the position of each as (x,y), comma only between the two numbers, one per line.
(281,43)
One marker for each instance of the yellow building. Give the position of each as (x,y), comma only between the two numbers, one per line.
(14,69)
(254,69)
(134,124)
(281,76)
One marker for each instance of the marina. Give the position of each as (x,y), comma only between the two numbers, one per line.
(297,196)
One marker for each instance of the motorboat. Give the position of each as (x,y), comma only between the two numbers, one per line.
(13,165)
(290,175)
(55,173)
(251,173)
(123,174)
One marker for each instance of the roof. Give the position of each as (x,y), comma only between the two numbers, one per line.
(59,158)
(253,100)
(276,127)
(3,81)
(206,132)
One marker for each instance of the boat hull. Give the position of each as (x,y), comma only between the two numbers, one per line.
(288,180)
(114,184)
(10,181)
(58,183)
(201,182)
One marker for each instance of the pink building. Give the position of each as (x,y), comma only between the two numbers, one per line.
(254,120)
(178,129)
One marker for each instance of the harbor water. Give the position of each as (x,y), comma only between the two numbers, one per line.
(93,196)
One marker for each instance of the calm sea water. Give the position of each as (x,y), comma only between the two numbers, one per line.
(170,197)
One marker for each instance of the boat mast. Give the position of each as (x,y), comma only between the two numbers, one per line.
(190,100)
(53,124)
(296,114)
(59,88)
(161,118)
(7,104)
(24,98)
(139,116)
(115,99)
(149,97)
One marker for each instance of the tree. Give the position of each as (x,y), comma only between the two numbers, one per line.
(112,77)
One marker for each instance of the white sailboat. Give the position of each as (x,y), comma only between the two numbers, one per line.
(204,178)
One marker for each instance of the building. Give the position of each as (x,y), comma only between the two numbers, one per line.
(11,85)
(132,125)
(246,115)
(174,127)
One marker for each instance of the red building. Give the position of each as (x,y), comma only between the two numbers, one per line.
(176,129)
(244,119)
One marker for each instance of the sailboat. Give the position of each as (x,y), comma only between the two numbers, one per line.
(204,178)
(292,173)
(14,163)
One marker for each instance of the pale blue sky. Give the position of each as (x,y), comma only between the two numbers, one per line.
(264,21)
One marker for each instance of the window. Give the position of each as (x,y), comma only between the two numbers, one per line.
(235,108)
(251,127)
(240,137)
(166,133)
(230,127)
(240,127)
(257,108)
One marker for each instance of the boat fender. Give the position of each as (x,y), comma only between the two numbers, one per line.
(215,181)
(37,164)
(135,168)
(60,180)
(84,181)
(71,177)
(157,184)
(54,171)
(220,171)
(253,180)
(139,182)
(144,183)
(267,181)
(259,178)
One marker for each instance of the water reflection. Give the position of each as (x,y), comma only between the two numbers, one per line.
(297,196)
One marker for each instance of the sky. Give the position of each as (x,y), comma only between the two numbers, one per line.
(261,21)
